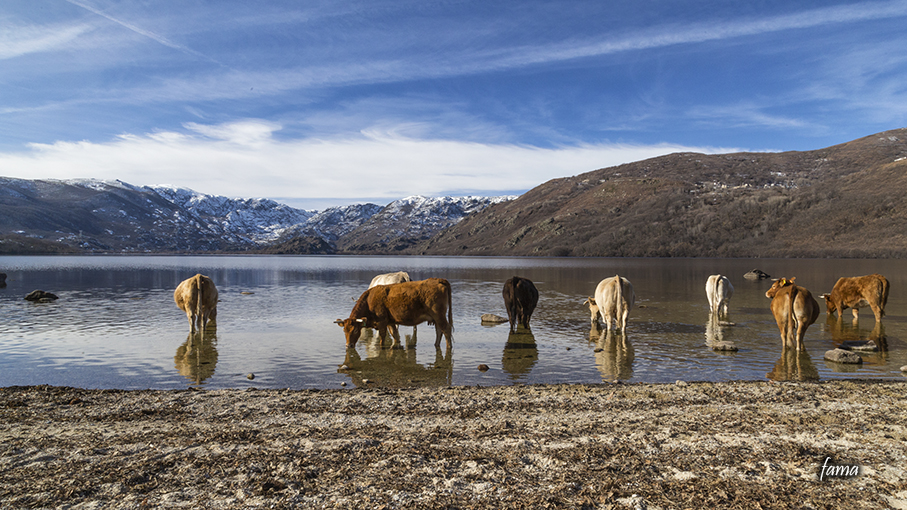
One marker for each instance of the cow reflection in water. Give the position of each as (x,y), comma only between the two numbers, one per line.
(851,337)
(794,365)
(397,368)
(520,354)
(196,358)
(613,354)
(716,334)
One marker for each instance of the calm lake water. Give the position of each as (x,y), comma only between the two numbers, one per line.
(116,325)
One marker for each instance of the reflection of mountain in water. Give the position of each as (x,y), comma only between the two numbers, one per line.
(613,354)
(197,357)
(794,365)
(520,353)
(397,368)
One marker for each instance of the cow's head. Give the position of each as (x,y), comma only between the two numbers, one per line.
(352,328)
(779,284)
(829,304)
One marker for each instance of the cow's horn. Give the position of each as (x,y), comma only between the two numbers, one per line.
(338,321)
(360,320)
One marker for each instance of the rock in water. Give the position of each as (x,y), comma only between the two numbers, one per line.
(842,356)
(490,318)
(39,296)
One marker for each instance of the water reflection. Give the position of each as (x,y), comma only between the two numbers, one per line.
(716,336)
(850,336)
(396,368)
(613,354)
(794,365)
(520,353)
(196,359)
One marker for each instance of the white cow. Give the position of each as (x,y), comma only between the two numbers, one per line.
(614,298)
(719,291)
(389,278)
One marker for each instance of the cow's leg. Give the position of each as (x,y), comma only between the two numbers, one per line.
(877,312)
(395,334)
(607,318)
(856,313)
(191,317)
(382,332)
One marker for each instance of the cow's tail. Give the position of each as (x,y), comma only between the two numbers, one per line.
(883,298)
(792,318)
(620,303)
(449,305)
(200,299)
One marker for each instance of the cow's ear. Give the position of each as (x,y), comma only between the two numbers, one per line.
(792,279)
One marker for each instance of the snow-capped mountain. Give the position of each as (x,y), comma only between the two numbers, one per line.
(95,215)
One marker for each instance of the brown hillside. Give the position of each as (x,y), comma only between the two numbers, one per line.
(842,201)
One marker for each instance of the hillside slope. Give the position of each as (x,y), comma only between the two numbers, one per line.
(842,201)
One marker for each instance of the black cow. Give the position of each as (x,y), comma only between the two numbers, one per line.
(520,298)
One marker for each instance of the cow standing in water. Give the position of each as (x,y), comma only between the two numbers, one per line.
(520,298)
(794,309)
(857,292)
(613,300)
(719,290)
(402,304)
(390,279)
(197,296)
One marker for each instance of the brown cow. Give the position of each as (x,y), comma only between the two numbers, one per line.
(403,304)
(793,307)
(197,296)
(520,299)
(857,292)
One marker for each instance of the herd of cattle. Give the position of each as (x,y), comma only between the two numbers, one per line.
(394,300)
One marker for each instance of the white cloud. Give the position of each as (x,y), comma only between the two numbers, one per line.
(242,159)
(18,40)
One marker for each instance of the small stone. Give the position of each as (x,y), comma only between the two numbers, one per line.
(493,319)
(483,367)
(250,376)
(343,384)
(725,347)
(842,356)
(867,347)
(598,349)
(344,367)
(681,383)
(246,293)
(366,381)
(904,368)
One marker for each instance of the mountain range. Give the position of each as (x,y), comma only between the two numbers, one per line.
(841,201)
(87,215)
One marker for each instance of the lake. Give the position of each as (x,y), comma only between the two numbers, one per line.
(116,325)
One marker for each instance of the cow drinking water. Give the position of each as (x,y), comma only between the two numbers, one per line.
(402,304)
(520,298)
(197,296)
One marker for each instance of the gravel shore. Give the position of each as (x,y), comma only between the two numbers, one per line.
(686,445)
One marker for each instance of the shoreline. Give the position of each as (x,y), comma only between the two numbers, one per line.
(636,445)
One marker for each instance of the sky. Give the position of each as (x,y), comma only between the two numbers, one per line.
(317,103)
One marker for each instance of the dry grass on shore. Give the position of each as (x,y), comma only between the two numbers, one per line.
(698,445)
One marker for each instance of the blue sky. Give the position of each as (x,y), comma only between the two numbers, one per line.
(319,103)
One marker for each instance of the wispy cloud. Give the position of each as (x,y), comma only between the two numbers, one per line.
(242,159)
(19,40)
(713,30)
(147,33)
